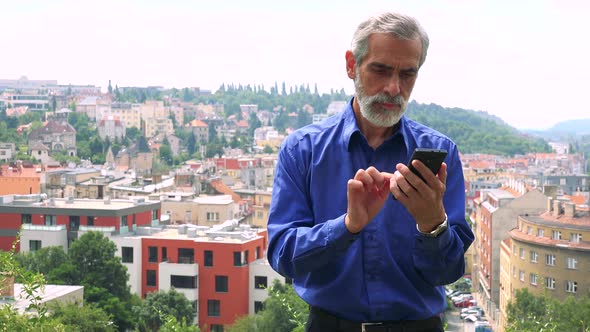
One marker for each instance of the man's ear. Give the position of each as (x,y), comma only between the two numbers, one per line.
(350,65)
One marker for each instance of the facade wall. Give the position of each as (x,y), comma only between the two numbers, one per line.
(257,293)
(260,209)
(133,267)
(234,302)
(19,185)
(48,236)
(525,245)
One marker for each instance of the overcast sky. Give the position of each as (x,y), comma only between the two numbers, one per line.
(528,62)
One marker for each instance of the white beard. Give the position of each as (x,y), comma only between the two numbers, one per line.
(376,115)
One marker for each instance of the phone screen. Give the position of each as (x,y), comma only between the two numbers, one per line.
(432,158)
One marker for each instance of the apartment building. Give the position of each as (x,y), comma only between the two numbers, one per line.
(222,269)
(548,253)
(112,127)
(19,180)
(45,221)
(57,136)
(7,151)
(62,183)
(496,214)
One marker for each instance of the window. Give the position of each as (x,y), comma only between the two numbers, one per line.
(514,250)
(208,258)
(521,253)
(550,259)
(50,220)
(514,271)
(213,308)
(164,254)
(259,215)
(124,221)
(257,253)
(154,214)
(34,245)
(260,282)
(556,235)
(521,275)
(575,237)
(258,306)
(571,286)
(190,282)
(572,263)
(186,256)
(240,258)
(127,254)
(549,283)
(529,230)
(221,284)
(533,279)
(25,219)
(212,216)
(534,256)
(540,232)
(150,277)
(216,328)
(90,221)
(153,254)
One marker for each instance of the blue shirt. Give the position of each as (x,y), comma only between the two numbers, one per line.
(389,271)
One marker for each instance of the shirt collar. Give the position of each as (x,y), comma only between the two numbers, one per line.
(350,127)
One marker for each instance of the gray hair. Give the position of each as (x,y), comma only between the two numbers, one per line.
(400,26)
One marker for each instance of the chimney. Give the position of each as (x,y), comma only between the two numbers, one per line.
(556,208)
(549,204)
(569,210)
(6,285)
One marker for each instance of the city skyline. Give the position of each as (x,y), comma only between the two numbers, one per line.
(522,62)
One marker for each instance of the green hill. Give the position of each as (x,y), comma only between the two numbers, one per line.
(476,132)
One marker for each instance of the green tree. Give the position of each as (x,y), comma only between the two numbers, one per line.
(283,311)
(268,149)
(166,154)
(158,306)
(82,318)
(191,144)
(103,276)
(132,134)
(253,123)
(43,261)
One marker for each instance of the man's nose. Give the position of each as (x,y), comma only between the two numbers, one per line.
(392,85)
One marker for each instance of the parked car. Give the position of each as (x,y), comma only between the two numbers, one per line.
(477,312)
(461,297)
(465,303)
(471,308)
(457,293)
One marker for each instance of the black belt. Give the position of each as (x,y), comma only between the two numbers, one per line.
(432,324)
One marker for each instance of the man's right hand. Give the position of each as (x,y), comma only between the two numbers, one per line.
(367,193)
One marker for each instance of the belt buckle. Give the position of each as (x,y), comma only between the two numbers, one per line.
(365,325)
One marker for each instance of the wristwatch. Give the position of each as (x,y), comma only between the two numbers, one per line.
(437,231)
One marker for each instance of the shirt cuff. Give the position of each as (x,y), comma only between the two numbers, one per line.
(338,235)
(428,243)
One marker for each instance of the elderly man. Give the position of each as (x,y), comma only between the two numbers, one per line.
(365,260)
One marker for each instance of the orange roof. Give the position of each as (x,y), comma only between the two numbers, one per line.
(222,188)
(481,164)
(197,123)
(242,123)
(578,200)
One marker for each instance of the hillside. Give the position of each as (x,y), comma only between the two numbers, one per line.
(476,132)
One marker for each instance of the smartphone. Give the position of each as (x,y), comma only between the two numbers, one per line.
(432,158)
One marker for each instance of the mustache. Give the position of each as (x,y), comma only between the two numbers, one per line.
(384,98)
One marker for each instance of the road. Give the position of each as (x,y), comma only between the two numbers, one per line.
(454,322)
